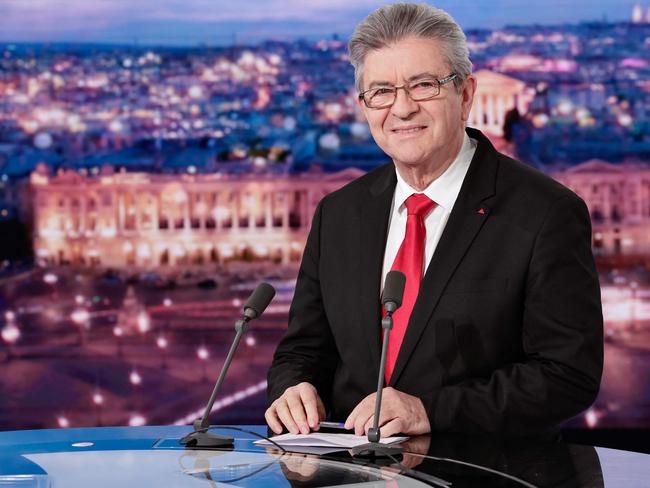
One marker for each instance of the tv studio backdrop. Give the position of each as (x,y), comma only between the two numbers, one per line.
(158,160)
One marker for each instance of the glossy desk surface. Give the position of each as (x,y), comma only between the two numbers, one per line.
(151,456)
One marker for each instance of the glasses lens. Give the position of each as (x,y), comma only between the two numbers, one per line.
(423,89)
(380,97)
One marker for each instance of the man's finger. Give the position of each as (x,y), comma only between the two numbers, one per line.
(321,408)
(297,409)
(395,426)
(364,414)
(368,423)
(272,420)
(310,402)
(350,422)
(286,418)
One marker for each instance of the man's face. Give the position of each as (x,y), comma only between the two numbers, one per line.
(416,133)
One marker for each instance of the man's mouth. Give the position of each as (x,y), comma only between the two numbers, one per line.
(411,129)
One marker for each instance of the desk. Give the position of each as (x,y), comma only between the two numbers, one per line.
(150,456)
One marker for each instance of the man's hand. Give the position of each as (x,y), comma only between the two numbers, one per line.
(400,413)
(299,409)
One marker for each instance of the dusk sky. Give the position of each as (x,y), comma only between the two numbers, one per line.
(193,22)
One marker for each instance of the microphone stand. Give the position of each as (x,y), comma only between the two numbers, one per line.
(374,448)
(201,437)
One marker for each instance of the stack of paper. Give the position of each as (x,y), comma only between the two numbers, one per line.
(317,439)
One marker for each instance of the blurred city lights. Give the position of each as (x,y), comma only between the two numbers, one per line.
(565,107)
(63,422)
(225,402)
(80,316)
(591,418)
(144,323)
(98,398)
(202,353)
(106,104)
(137,420)
(135,378)
(50,278)
(10,333)
(625,120)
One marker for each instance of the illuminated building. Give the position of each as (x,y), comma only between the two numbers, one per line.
(637,14)
(618,198)
(140,220)
(496,95)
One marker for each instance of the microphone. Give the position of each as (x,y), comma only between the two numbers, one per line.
(393,293)
(254,308)
(391,299)
(259,300)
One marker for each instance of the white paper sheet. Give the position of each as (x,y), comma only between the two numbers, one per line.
(318,439)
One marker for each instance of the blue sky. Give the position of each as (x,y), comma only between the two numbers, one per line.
(193,22)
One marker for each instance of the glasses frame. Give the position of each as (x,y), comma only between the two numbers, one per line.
(440,83)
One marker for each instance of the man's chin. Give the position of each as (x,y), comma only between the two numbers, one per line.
(409,162)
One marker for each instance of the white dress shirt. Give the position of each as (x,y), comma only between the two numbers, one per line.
(443,190)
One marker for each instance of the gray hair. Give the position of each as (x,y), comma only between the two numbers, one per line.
(393,23)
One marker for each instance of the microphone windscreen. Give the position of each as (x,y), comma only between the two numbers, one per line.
(260,299)
(394,288)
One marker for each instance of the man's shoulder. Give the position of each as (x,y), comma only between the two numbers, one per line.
(515,181)
(527,195)
(521,179)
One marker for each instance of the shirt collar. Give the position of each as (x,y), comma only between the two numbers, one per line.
(444,189)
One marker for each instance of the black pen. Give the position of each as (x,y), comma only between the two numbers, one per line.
(332,425)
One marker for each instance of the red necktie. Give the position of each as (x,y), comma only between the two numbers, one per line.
(409,260)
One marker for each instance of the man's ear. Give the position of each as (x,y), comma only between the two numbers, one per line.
(467,96)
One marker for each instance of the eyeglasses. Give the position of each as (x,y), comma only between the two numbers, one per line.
(418,90)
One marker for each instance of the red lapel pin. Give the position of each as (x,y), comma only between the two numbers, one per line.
(481,210)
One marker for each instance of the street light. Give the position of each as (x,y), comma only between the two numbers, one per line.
(10,332)
(137,420)
(144,324)
(203,354)
(135,378)
(98,400)
(81,317)
(50,278)
(162,344)
(118,332)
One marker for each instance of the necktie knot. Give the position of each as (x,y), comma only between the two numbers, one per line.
(419,204)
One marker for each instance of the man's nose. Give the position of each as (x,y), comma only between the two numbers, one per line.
(404,105)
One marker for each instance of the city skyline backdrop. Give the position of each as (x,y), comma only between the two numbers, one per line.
(205,22)
(148,183)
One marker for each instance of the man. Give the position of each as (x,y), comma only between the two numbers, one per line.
(501,325)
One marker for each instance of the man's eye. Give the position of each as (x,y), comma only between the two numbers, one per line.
(383,91)
(423,85)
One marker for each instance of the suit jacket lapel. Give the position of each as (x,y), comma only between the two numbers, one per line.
(464,223)
(375,212)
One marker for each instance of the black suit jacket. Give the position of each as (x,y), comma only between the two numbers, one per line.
(506,333)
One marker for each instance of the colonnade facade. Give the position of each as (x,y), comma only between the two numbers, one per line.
(495,96)
(618,199)
(149,221)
